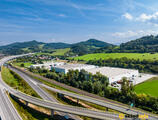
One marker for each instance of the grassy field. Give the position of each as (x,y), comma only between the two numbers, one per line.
(56,52)
(118,55)
(25,64)
(60,51)
(148,87)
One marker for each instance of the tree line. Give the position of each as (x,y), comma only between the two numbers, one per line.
(141,65)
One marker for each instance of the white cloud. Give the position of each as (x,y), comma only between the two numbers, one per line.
(128,16)
(144,17)
(62,15)
(134,34)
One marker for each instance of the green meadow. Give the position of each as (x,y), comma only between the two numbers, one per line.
(27,64)
(60,51)
(57,52)
(149,87)
(98,56)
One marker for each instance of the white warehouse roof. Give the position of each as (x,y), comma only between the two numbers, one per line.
(73,66)
(111,71)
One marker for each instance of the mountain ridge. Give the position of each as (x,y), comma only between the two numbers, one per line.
(35,46)
(143,44)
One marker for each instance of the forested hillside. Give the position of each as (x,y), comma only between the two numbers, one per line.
(88,46)
(146,44)
(80,48)
(21,47)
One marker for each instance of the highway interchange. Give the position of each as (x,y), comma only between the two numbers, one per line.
(44,95)
(49,102)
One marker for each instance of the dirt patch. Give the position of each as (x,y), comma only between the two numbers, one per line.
(37,108)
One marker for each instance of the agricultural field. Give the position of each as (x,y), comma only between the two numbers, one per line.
(97,56)
(148,87)
(57,52)
(61,51)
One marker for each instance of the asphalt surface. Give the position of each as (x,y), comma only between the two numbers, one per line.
(59,107)
(66,108)
(44,95)
(7,110)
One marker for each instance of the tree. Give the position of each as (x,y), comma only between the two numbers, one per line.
(22,65)
(88,86)
(99,77)
(97,87)
(126,86)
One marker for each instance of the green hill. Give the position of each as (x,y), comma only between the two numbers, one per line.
(93,43)
(34,46)
(21,47)
(146,44)
(88,46)
(143,44)
(56,45)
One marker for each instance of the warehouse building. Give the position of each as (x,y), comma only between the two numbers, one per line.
(63,67)
(66,67)
(48,65)
(115,74)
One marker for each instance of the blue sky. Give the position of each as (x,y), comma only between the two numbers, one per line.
(70,21)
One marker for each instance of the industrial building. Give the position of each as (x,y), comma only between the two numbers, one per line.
(48,65)
(63,67)
(115,74)
(66,67)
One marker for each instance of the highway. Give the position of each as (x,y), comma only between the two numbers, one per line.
(44,95)
(75,110)
(7,110)
(60,107)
